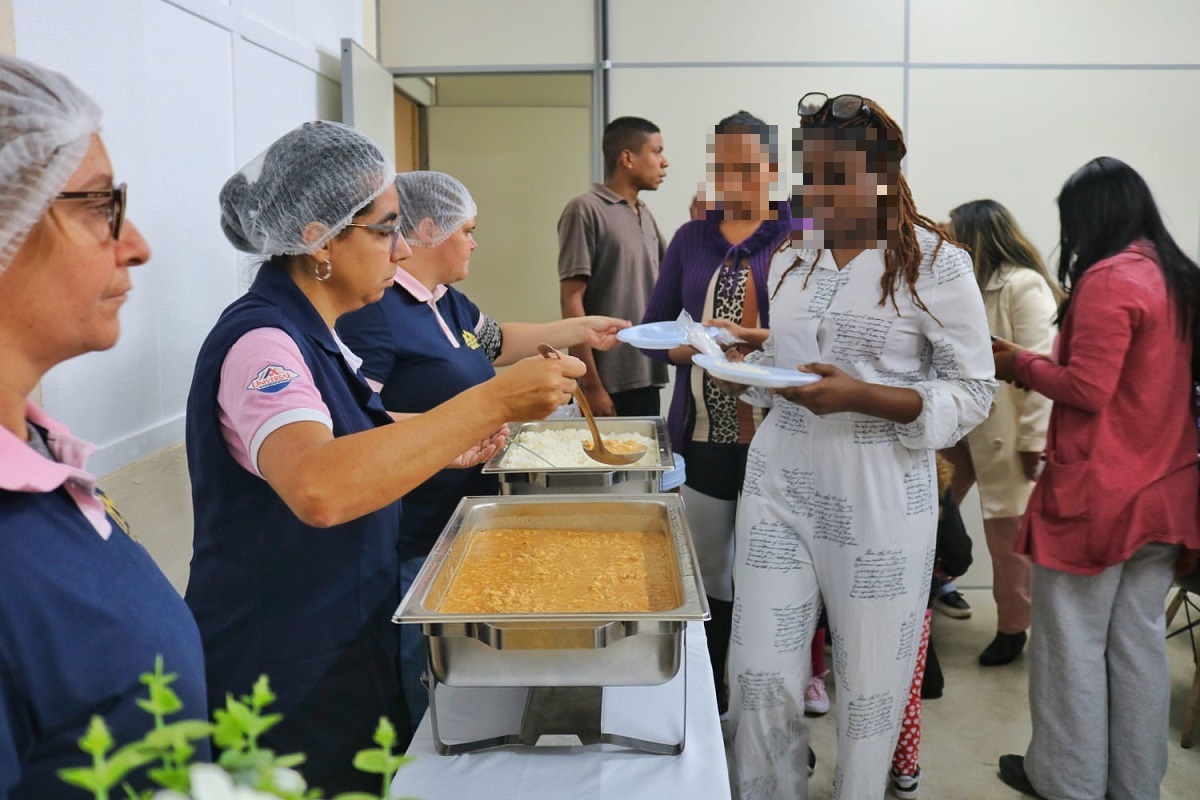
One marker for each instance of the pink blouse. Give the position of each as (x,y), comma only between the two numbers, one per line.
(1121,450)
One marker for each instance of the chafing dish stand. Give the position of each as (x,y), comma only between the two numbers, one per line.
(558,716)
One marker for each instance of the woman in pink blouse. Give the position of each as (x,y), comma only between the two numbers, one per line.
(1115,509)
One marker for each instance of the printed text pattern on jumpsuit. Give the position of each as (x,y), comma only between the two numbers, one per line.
(844,508)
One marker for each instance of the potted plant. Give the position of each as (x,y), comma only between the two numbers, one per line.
(243,771)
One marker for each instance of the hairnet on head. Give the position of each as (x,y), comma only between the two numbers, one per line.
(322,172)
(434,196)
(46,126)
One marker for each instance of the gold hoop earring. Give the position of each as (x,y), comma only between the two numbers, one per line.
(323,271)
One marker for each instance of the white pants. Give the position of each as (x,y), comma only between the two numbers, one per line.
(836,510)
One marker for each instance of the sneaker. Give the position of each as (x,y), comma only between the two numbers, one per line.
(816,699)
(905,786)
(953,604)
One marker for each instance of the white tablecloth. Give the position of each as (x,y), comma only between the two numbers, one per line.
(598,772)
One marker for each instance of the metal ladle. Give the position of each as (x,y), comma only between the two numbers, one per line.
(597,452)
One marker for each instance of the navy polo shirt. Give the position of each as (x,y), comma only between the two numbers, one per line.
(310,607)
(423,359)
(81,618)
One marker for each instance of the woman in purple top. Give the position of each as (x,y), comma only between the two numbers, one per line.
(716,269)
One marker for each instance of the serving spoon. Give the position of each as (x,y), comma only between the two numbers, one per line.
(597,452)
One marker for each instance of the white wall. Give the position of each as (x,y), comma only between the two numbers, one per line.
(488,131)
(191,90)
(479,33)
(998,98)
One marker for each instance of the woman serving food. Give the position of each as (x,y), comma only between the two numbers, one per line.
(424,343)
(297,468)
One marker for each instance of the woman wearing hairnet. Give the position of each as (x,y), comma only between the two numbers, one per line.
(83,608)
(297,469)
(424,343)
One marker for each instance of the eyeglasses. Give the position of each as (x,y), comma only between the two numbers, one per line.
(844,106)
(116,205)
(381,227)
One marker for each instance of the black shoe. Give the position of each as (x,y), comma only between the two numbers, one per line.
(1012,773)
(954,605)
(1003,649)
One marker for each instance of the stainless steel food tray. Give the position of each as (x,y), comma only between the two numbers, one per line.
(642,479)
(627,649)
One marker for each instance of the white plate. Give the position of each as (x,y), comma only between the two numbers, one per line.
(658,335)
(765,377)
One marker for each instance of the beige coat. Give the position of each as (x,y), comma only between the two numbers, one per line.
(1020,308)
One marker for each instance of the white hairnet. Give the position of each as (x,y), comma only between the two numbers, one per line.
(46,126)
(322,172)
(434,196)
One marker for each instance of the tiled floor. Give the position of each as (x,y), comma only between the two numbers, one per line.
(983,714)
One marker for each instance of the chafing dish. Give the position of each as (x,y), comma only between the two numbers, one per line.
(564,660)
(636,479)
(580,649)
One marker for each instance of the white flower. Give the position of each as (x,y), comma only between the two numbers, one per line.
(210,782)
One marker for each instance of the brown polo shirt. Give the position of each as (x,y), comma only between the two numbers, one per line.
(618,250)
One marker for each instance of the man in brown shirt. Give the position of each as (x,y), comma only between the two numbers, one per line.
(609,249)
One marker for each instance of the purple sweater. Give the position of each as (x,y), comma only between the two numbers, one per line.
(696,252)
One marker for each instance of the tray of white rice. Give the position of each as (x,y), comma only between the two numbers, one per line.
(547,457)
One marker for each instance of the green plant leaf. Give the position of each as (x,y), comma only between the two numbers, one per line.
(178,733)
(164,700)
(379,762)
(129,758)
(175,778)
(372,761)
(356,796)
(291,760)
(158,677)
(260,725)
(130,794)
(83,777)
(240,712)
(385,734)
(261,695)
(241,760)
(227,733)
(97,740)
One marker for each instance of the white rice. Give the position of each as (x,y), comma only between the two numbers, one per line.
(564,448)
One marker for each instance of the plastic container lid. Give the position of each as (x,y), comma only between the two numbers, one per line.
(674,478)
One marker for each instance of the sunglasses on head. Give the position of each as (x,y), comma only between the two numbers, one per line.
(843,106)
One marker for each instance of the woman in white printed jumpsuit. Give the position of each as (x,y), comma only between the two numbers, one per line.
(840,499)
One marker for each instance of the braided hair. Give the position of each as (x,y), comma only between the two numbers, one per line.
(880,138)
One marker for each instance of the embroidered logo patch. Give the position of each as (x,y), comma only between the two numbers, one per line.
(471,340)
(113,514)
(272,379)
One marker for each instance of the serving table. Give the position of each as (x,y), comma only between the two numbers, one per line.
(597,772)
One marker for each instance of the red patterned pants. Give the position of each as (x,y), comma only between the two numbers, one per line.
(908,748)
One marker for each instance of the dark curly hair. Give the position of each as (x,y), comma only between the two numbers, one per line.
(880,138)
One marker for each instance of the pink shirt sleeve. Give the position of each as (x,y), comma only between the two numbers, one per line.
(265,385)
(1106,310)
